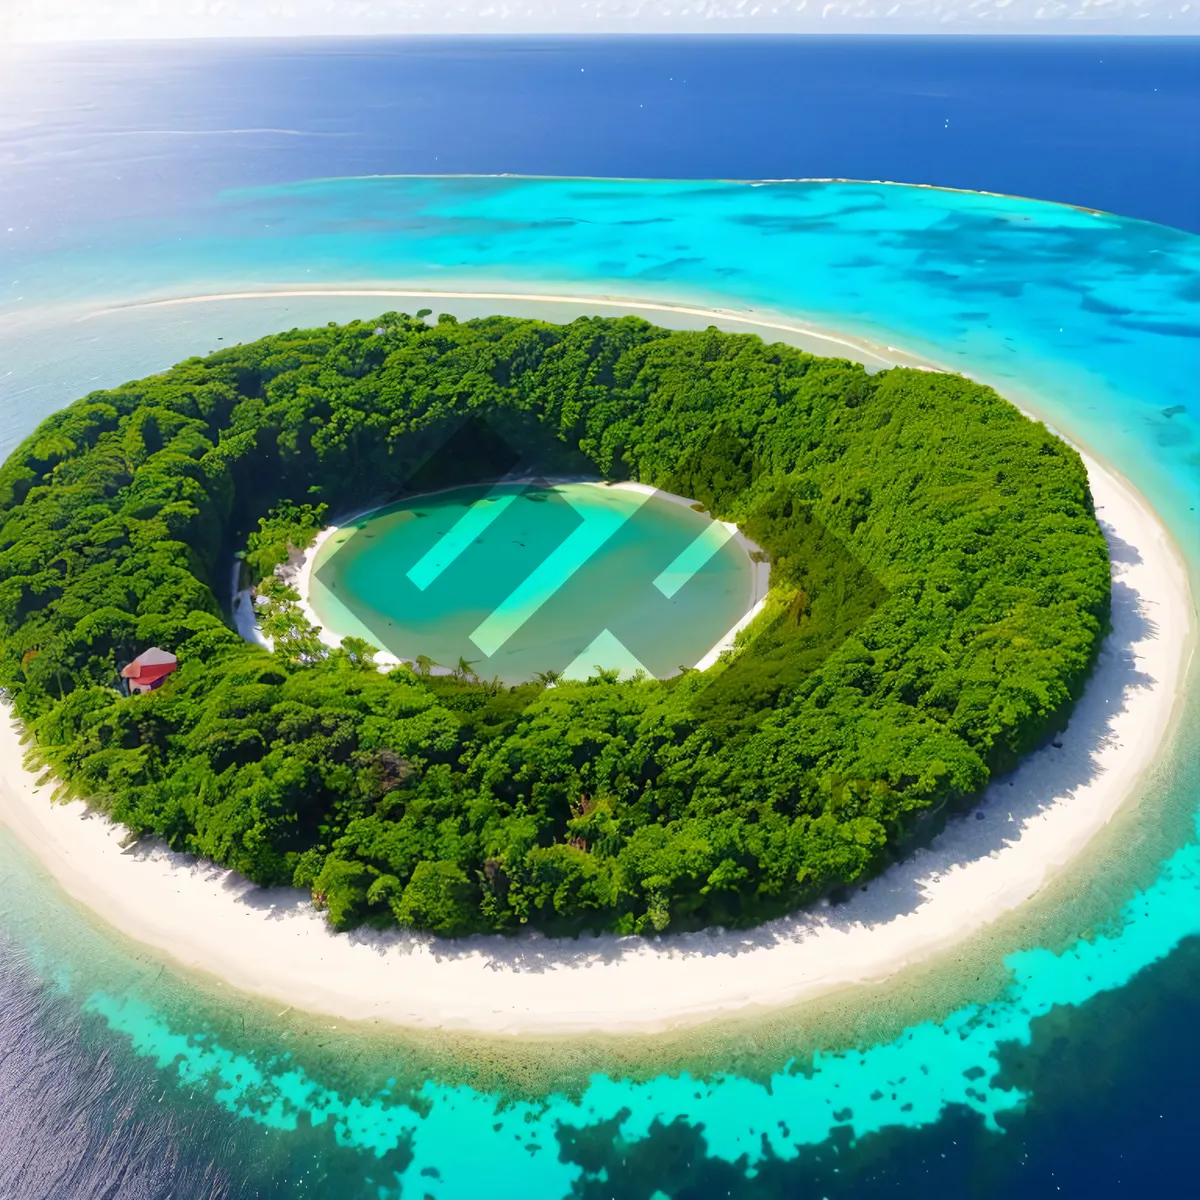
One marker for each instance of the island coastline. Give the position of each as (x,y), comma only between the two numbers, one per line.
(272,943)
(857,349)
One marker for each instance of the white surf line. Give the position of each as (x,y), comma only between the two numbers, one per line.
(520,176)
(447,549)
(693,557)
(606,301)
(552,573)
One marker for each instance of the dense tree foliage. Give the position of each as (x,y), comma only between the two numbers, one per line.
(939,590)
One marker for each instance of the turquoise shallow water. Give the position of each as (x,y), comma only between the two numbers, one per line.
(518,579)
(452,1139)
(1094,315)
(1091,318)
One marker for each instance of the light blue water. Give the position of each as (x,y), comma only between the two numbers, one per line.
(1092,318)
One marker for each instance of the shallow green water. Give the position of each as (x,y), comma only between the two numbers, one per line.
(517,579)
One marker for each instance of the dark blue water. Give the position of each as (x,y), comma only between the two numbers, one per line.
(1105,123)
(91,134)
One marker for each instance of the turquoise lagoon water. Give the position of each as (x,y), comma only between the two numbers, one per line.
(518,579)
(1090,318)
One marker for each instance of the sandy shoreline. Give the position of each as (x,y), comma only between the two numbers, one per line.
(271,943)
(814,338)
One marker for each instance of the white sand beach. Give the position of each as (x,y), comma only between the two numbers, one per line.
(271,943)
(810,337)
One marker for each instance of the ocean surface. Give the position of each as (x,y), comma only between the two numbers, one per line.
(1058,1054)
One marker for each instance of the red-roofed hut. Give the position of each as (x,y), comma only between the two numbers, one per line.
(149,669)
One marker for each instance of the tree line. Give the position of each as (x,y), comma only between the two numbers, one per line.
(940,587)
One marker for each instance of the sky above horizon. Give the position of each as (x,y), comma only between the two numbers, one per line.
(87,20)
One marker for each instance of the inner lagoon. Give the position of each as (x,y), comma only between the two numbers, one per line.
(513,579)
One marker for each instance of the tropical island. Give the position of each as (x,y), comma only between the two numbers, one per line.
(939,593)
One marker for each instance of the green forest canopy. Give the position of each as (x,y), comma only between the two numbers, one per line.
(939,590)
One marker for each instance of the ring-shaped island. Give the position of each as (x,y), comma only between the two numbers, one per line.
(939,590)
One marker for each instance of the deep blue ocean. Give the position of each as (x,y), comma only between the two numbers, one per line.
(1105,123)
(1071,1065)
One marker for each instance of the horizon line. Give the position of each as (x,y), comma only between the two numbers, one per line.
(1060,29)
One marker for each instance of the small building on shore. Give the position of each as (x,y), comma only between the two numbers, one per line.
(148,670)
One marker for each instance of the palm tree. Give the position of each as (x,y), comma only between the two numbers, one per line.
(463,670)
(547,678)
